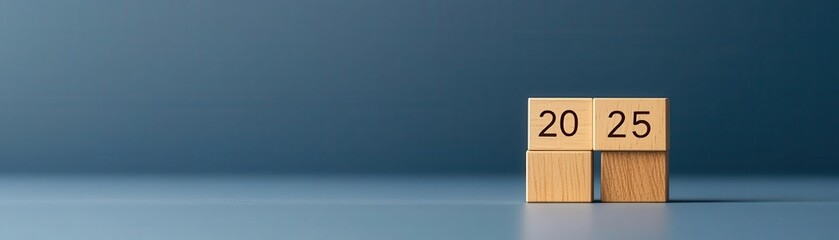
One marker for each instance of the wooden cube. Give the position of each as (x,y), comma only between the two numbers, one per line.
(559,176)
(631,124)
(560,124)
(633,177)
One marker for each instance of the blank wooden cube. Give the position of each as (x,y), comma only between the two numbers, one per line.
(633,177)
(631,124)
(559,176)
(560,124)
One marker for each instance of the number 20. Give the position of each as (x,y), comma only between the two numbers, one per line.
(635,121)
(545,133)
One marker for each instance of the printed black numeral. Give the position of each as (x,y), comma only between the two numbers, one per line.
(636,122)
(612,134)
(562,123)
(545,132)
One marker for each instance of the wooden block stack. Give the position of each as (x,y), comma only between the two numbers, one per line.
(559,150)
(631,133)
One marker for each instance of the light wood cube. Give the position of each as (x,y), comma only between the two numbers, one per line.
(634,177)
(559,176)
(560,124)
(631,124)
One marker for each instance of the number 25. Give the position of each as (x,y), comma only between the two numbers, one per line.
(635,121)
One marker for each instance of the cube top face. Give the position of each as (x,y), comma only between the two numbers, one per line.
(631,124)
(560,124)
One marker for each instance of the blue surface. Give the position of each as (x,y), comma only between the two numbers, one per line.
(160,207)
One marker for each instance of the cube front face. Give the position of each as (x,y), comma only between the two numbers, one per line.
(634,177)
(559,176)
(631,124)
(560,124)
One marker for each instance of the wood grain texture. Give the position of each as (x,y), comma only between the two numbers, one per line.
(580,131)
(634,177)
(633,134)
(559,176)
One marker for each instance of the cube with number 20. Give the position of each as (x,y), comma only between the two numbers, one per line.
(560,124)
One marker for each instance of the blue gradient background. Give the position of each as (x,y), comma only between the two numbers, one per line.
(404,87)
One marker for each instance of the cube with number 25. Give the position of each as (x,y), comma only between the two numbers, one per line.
(631,124)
